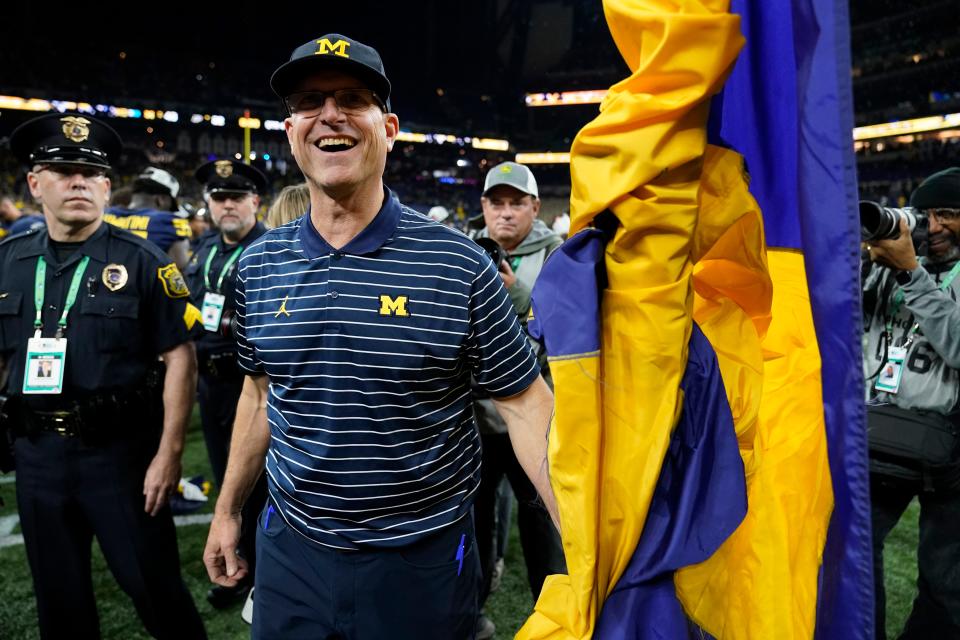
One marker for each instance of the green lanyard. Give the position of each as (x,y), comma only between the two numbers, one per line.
(898,299)
(223,272)
(39,288)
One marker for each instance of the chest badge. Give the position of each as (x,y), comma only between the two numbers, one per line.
(114,276)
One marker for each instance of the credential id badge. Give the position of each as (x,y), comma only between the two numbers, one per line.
(44,368)
(212,310)
(892,371)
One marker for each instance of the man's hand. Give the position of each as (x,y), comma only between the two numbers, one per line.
(224,566)
(896,254)
(507,274)
(162,479)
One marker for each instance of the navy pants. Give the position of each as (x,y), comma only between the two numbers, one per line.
(67,494)
(419,592)
(936,610)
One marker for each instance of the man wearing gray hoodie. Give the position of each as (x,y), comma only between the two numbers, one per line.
(511,204)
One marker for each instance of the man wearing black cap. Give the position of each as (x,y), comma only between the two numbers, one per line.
(97,447)
(359,327)
(912,365)
(233,191)
(150,214)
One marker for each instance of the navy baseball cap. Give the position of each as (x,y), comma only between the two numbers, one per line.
(230,176)
(333,51)
(66,138)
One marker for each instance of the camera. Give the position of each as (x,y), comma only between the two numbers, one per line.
(228,324)
(883,223)
(493,249)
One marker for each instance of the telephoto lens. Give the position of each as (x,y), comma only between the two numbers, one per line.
(493,249)
(883,223)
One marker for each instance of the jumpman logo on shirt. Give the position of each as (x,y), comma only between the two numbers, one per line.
(283,308)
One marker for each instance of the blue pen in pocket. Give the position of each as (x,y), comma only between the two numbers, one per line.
(463,538)
(266,518)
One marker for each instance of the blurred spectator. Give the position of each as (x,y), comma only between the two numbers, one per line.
(290,204)
(13,220)
(438,214)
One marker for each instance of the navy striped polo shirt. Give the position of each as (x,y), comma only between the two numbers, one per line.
(369,351)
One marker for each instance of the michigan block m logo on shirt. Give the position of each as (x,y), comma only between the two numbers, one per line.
(393,306)
(338,48)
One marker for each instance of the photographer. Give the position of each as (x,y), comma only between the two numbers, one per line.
(510,204)
(232,190)
(911,358)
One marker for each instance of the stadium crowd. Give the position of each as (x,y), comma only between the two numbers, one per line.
(212,232)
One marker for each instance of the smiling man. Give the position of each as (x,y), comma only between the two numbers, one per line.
(232,190)
(98,436)
(359,327)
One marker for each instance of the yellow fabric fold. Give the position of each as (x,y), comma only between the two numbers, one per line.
(762,582)
(689,245)
(641,158)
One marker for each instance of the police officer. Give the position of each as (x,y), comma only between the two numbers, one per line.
(97,449)
(233,191)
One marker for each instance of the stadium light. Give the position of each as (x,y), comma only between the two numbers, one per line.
(564,98)
(491,144)
(543,157)
(905,127)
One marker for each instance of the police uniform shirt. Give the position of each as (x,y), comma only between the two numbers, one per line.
(162,228)
(132,305)
(211,342)
(369,350)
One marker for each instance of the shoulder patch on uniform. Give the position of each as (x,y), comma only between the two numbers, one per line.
(172,280)
(191,316)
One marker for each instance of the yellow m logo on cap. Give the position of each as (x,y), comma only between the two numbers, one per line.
(338,48)
(391,307)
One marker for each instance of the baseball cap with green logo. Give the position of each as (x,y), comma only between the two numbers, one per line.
(513,175)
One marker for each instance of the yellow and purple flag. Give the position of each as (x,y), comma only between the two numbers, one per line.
(708,452)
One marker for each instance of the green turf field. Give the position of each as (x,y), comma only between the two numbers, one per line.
(507,608)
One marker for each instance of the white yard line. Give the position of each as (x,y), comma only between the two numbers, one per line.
(8,523)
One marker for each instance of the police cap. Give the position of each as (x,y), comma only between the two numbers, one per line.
(230,176)
(66,138)
(333,51)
